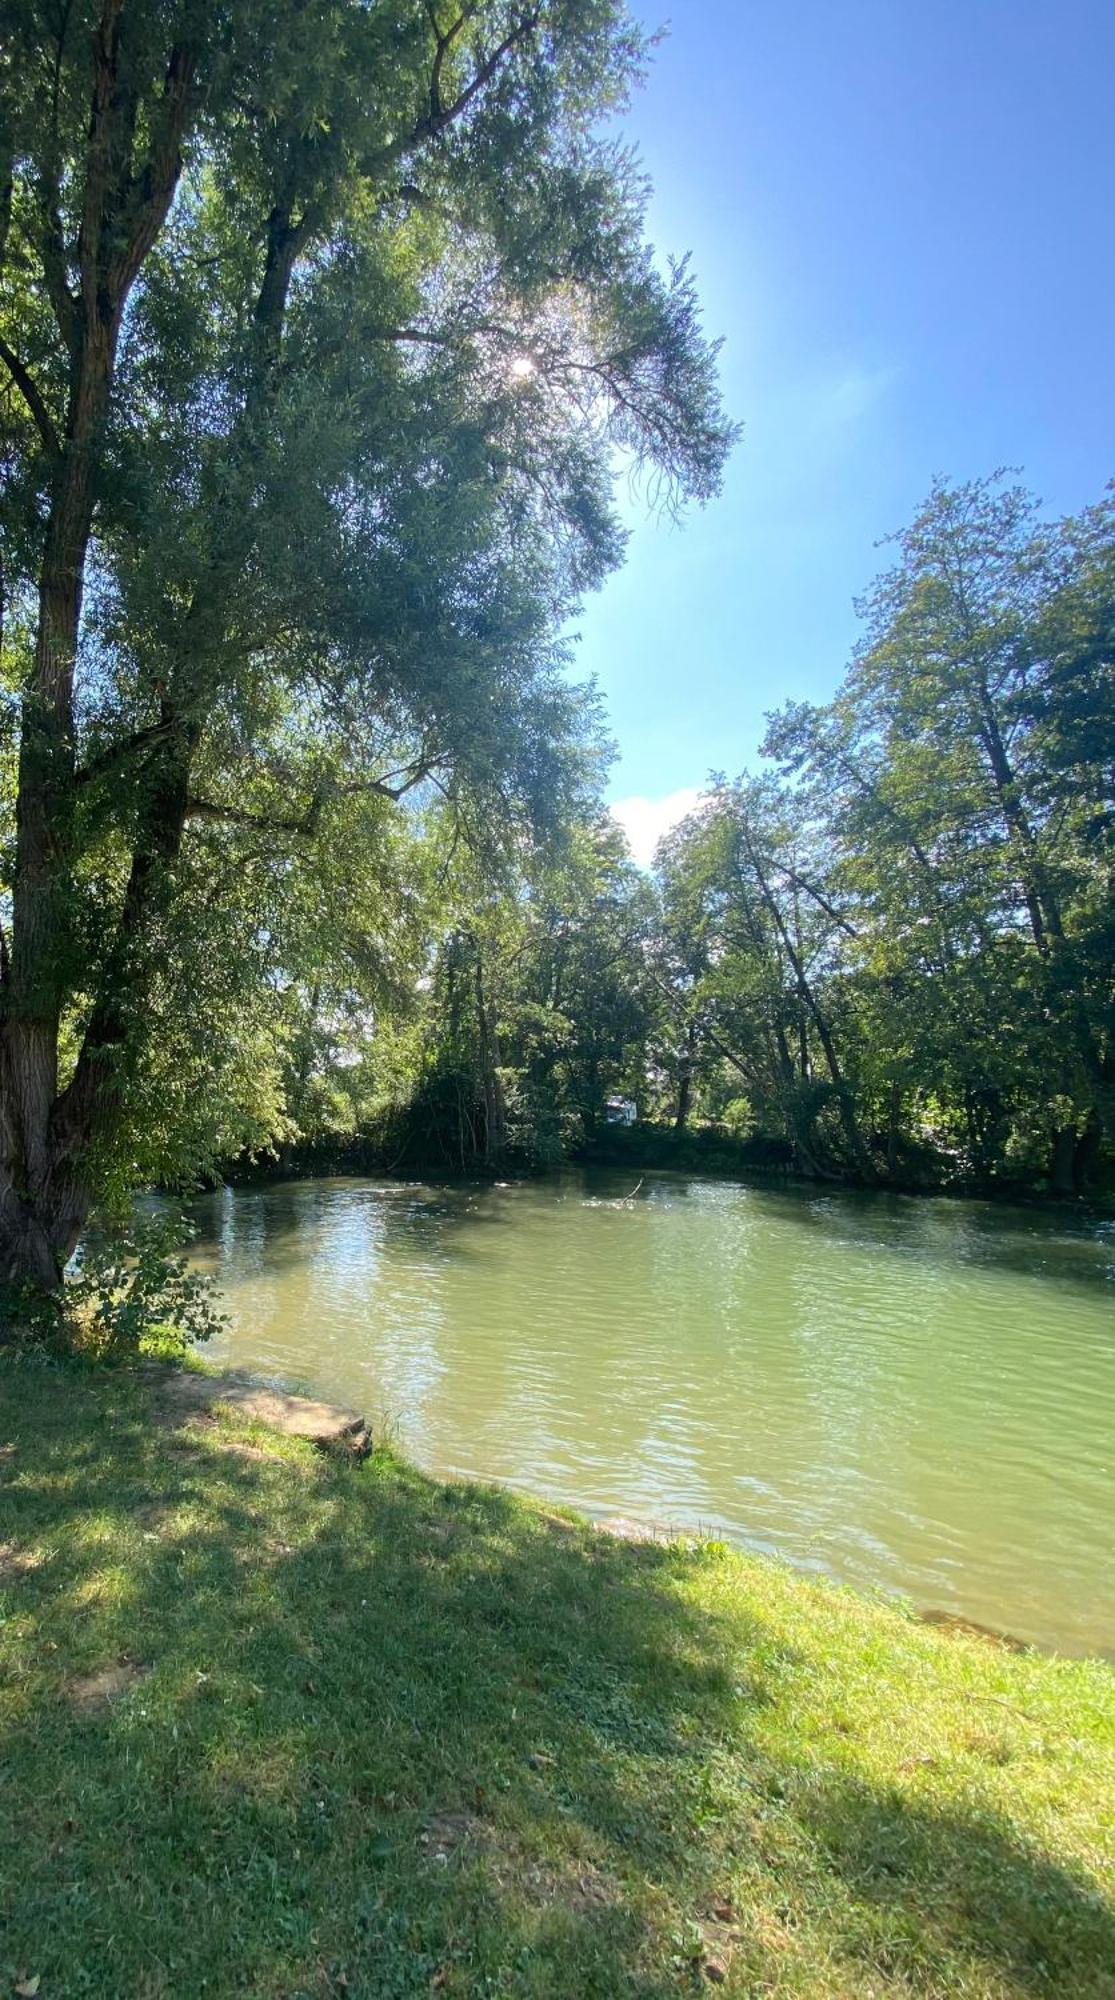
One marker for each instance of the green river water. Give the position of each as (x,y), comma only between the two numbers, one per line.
(911,1395)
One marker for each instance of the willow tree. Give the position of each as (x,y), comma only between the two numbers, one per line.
(323,330)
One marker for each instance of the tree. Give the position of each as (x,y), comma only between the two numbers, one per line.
(966,767)
(758,934)
(321,328)
(539,1005)
(901,941)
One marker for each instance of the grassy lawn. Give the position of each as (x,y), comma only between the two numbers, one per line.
(274,1725)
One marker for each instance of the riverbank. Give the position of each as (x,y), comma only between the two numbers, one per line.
(279,1723)
(708,1151)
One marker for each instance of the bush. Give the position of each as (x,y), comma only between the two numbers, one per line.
(131,1290)
(135,1284)
(738,1118)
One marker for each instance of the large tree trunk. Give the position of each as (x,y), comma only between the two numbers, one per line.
(34,1240)
(45,1186)
(44,1192)
(27,1252)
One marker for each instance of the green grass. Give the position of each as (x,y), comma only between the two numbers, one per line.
(275,1726)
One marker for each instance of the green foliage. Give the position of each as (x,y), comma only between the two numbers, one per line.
(537,1008)
(132,1291)
(887,958)
(324,335)
(134,1285)
(738,1118)
(903,943)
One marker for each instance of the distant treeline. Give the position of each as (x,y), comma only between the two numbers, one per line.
(888,958)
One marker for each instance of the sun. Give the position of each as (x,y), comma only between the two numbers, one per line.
(523,367)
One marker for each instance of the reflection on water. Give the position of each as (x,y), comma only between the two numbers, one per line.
(912,1395)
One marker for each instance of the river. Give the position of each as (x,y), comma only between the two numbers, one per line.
(914,1396)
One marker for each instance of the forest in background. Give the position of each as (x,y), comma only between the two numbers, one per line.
(887,958)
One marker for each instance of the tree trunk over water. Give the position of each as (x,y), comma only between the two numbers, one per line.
(685,1079)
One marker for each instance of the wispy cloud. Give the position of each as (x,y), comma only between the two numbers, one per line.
(644,820)
(844,400)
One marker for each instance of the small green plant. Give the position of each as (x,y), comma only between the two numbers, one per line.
(133,1285)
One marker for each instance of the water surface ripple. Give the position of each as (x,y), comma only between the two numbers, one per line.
(911,1395)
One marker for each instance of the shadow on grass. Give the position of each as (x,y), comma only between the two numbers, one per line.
(981,1897)
(365,1734)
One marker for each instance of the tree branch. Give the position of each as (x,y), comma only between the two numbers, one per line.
(212,809)
(106,53)
(52,250)
(308,822)
(432,124)
(417,198)
(154,189)
(7,189)
(107,761)
(52,242)
(797,881)
(444,43)
(32,396)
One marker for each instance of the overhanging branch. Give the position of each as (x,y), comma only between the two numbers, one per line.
(32,396)
(307,823)
(108,760)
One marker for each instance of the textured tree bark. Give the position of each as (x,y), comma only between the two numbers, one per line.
(33,1240)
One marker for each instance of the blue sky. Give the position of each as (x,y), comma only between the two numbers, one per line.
(900,214)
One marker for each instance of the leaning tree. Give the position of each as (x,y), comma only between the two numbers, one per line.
(323,333)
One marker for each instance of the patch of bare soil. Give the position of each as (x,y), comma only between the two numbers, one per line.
(16,1562)
(105,1684)
(719,1935)
(583,1890)
(446,1833)
(580,1888)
